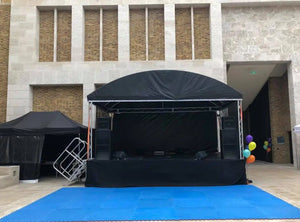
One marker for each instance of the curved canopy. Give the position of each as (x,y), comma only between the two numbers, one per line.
(160,89)
(40,123)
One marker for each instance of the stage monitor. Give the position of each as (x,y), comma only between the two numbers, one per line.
(143,134)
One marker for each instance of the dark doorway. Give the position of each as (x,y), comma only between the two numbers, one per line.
(54,145)
(260,123)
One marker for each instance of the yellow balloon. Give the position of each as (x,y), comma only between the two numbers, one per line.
(252,146)
(266,143)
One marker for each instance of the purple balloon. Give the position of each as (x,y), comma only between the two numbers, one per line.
(249,138)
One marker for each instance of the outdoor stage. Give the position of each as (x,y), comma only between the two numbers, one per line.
(159,172)
(162,121)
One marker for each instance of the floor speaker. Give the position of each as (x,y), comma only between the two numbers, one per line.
(103,144)
(230,144)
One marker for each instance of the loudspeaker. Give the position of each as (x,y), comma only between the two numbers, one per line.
(103,144)
(201,155)
(230,144)
(229,122)
(103,123)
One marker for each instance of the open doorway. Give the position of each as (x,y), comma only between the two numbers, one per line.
(264,86)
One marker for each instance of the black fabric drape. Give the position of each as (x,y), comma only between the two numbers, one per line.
(26,151)
(5,157)
(183,133)
(130,173)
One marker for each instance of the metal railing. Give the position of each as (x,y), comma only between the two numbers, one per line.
(71,163)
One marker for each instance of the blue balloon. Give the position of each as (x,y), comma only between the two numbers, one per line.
(247,147)
(246,153)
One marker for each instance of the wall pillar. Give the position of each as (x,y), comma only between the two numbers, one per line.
(170,46)
(77,33)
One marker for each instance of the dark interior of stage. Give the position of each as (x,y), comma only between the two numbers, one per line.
(177,131)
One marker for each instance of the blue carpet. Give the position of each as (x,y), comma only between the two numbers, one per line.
(156,203)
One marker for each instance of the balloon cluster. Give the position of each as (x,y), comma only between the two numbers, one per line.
(247,151)
(267,145)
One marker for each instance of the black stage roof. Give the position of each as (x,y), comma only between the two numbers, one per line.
(164,90)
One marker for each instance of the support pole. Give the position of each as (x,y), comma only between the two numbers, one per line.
(88,136)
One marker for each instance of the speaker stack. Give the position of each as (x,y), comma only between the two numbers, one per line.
(230,138)
(103,138)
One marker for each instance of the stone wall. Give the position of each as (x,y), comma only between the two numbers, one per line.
(25,70)
(4,49)
(267,33)
(280,118)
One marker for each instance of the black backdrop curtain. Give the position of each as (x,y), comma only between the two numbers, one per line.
(183,133)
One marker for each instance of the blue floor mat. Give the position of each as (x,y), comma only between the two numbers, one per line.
(156,203)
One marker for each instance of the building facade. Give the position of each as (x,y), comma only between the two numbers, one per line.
(54,53)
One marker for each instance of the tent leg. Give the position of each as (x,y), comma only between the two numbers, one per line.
(88,136)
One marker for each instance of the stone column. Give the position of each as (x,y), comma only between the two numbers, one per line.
(77,33)
(123,32)
(294,99)
(170,46)
(216,41)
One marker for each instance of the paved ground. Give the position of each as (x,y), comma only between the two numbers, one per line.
(280,180)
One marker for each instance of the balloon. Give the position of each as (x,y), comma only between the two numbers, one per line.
(252,146)
(268,150)
(247,147)
(265,147)
(269,140)
(249,138)
(266,143)
(246,153)
(251,159)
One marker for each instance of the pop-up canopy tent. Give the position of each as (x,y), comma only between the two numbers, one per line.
(164,110)
(22,139)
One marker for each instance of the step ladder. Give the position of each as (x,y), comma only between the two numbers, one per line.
(71,163)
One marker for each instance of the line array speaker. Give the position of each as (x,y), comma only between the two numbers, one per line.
(103,144)
(230,144)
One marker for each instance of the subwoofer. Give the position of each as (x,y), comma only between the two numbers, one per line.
(230,144)
(103,144)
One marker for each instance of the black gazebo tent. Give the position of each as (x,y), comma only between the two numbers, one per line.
(22,139)
(160,100)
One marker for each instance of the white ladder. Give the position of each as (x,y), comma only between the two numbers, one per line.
(71,163)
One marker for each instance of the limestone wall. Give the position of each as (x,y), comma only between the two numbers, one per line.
(26,71)
(267,33)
